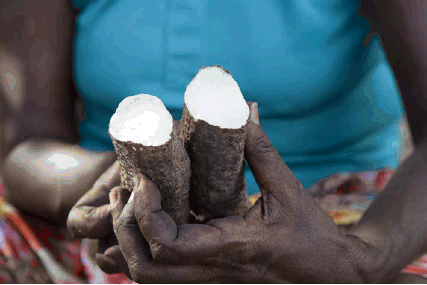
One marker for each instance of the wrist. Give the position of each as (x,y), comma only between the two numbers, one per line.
(367,260)
(341,258)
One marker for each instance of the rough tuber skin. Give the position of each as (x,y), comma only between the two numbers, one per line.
(217,184)
(167,165)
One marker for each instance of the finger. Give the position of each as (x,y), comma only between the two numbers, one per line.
(91,216)
(142,267)
(253,112)
(167,242)
(132,244)
(268,168)
(162,273)
(112,261)
(157,226)
(106,242)
(119,197)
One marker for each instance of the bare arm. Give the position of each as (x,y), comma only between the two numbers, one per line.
(396,222)
(36,80)
(43,169)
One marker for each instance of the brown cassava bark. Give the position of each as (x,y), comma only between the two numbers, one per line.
(168,166)
(217,184)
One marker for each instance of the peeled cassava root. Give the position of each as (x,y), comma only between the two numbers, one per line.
(209,140)
(213,129)
(146,141)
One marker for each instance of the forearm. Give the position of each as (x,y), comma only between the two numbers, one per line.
(47,177)
(396,223)
(37,93)
(403,33)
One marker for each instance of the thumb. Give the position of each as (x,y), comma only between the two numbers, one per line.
(277,183)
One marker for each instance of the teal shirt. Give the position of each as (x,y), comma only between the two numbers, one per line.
(328,102)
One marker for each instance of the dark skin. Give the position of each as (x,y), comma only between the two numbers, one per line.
(42,121)
(282,238)
(285,234)
(273,235)
(39,115)
(253,242)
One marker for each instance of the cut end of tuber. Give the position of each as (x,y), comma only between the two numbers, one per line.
(142,119)
(214,97)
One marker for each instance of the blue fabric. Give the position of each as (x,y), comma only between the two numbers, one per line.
(328,103)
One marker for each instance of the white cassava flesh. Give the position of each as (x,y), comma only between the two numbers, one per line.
(146,141)
(214,96)
(213,129)
(142,119)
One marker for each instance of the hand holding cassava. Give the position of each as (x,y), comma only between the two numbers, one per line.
(284,237)
(91,218)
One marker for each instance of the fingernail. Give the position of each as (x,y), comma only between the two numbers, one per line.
(114,197)
(254,113)
(136,181)
(131,197)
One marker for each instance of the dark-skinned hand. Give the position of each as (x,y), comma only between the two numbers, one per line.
(284,237)
(91,218)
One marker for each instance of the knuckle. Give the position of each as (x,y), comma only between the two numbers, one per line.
(258,142)
(77,223)
(114,254)
(117,188)
(104,263)
(263,144)
(71,222)
(93,219)
(140,272)
(138,275)
(133,260)
(160,252)
(75,233)
(137,271)
(124,223)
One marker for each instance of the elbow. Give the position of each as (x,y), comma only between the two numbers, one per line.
(23,187)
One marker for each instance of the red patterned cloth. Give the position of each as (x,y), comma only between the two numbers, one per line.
(39,253)
(36,252)
(382,178)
